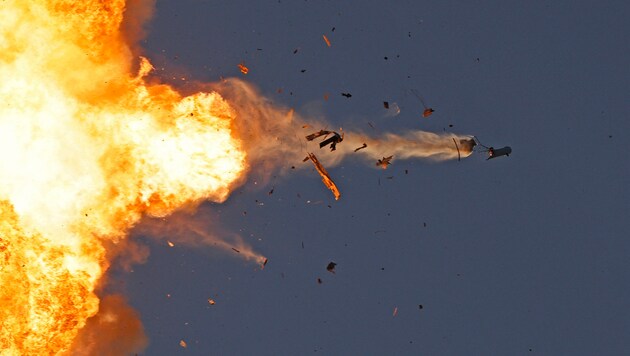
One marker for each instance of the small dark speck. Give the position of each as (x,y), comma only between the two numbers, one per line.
(424,224)
(303,70)
(382,268)
(333,29)
(420,306)
(609,136)
(385,58)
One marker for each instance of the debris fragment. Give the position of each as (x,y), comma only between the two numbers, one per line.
(326,95)
(182,343)
(170,244)
(360,148)
(243,68)
(319,281)
(427,112)
(347,95)
(317,134)
(237,251)
(325,177)
(295,51)
(303,70)
(395,311)
(384,162)
(386,105)
(211,301)
(264,263)
(420,306)
(331,267)
(332,141)
(326,40)
(271,191)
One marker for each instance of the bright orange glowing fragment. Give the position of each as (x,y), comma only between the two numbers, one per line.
(243,69)
(326,40)
(325,177)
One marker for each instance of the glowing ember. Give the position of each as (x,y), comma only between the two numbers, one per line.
(243,68)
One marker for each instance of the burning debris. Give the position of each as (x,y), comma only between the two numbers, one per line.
(331,267)
(243,68)
(384,162)
(325,177)
(427,110)
(326,40)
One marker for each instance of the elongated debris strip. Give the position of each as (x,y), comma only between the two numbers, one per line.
(325,177)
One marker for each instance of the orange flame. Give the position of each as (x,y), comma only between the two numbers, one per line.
(87,149)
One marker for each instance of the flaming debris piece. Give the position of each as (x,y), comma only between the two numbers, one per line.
(360,148)
(325,177)
(211,301)
(243,68)
(182,343)
(427,112)
(331,267)
(384,162)
(326,40)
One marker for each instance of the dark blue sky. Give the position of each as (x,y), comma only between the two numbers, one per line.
(524,254)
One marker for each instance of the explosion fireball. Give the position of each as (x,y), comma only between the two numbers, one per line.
(90,143)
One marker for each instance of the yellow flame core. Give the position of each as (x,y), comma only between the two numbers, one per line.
(86,148)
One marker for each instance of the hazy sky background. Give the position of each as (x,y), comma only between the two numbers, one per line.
(524,254)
